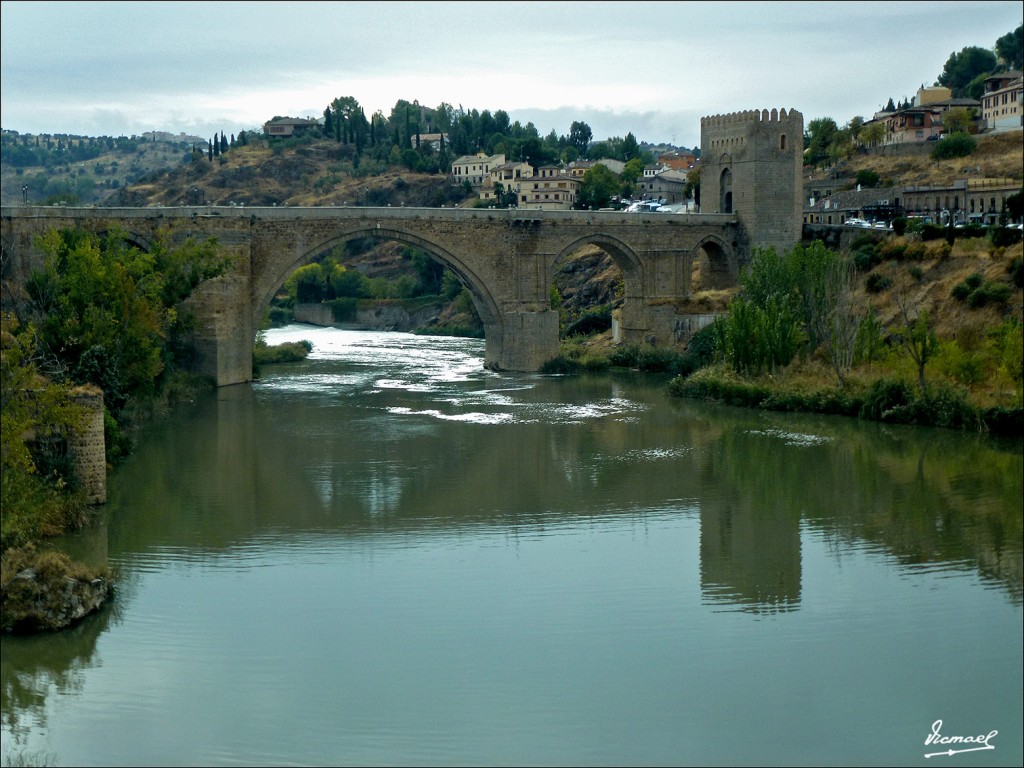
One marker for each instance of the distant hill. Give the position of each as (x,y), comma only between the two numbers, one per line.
(82,170)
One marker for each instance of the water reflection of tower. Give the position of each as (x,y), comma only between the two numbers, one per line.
(750,551)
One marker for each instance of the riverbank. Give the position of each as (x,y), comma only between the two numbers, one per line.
(889,400)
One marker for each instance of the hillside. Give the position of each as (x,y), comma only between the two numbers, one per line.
(318,173)
(996,156)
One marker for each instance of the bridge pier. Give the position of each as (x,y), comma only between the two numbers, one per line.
(223,336)
(521,341)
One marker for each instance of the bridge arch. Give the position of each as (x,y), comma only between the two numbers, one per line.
(278,273)
(129,237)
(625,258)
(716,264)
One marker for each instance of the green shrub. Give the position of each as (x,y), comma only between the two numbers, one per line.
(877,282)
(561,365)
(289,352)
(954,145)
(916,272)
(883,396)
(1016,270)
(893,249)
(343,310)
(915,251)
(644,357)
(866,258)
(989,293)
(281,316)
(961,291)
(899,225)
(1003,236)
(597,320)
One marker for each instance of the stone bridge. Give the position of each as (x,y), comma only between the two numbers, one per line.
(507,260)
(751,188)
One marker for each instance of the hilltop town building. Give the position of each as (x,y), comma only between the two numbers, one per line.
(1001,104)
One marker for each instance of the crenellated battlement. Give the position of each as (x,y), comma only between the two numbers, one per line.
(748,116)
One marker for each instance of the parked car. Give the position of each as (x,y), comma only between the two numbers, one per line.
(856,223)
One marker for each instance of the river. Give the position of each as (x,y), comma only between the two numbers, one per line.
(389,555)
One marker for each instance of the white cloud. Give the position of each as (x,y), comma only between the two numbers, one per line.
(652,69)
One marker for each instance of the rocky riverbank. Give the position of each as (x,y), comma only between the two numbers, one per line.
(47,592)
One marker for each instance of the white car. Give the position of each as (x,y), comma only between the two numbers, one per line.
(856,223)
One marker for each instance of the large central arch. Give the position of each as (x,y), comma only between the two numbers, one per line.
(484,301)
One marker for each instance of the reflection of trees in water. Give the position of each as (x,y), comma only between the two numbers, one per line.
(928,497)
(37,665)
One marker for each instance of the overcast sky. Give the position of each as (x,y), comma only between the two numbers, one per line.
(650,68)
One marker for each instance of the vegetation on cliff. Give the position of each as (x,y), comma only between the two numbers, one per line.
(100,313)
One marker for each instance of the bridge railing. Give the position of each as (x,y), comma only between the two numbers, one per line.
(343,213)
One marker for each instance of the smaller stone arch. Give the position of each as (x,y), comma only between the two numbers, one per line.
(623,256)
(129,237)
(715,265)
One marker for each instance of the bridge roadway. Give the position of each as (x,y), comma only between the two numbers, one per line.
(507,258)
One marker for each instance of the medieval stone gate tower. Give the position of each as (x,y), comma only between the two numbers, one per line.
(750,165)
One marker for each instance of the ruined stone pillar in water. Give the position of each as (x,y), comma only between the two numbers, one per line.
(87,445)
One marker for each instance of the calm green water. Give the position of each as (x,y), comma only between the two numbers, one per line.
(387,555)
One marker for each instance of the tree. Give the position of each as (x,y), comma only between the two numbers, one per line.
(1010,49)
(961,68)
(632,171)
(310,284)
(598,187)
(33,407)
(580,136)
(109,312)
(692,188)
(821,132)
(957,120)
(867,178)
(919,338)
(871,134)
(630,148)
